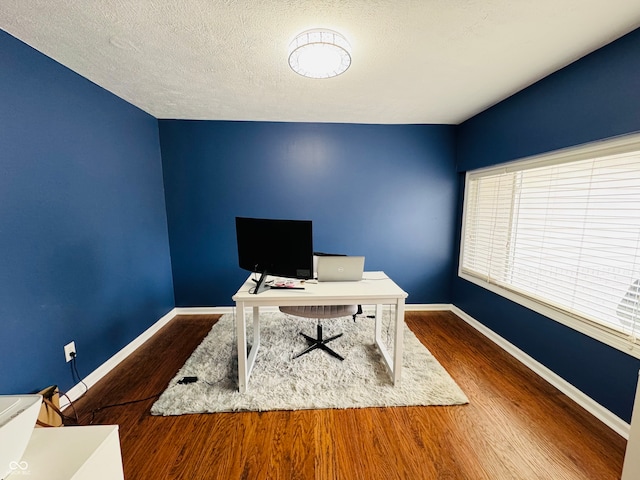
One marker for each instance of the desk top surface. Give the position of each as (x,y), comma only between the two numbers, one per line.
(373,286)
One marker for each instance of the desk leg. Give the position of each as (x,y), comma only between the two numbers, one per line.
(241,335)
(393,365)
(398,347)
(246,361)
(378,336)
(256,341)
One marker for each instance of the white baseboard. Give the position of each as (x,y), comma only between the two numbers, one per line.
(90,380)
(614,422)
(426,307)
(203,310)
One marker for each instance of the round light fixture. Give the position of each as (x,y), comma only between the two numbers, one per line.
(319,53)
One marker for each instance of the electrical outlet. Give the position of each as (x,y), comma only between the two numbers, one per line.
(69,351)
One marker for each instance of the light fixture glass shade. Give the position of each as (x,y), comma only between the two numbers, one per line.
(319,53)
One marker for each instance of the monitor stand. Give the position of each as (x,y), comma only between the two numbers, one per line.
(261,283)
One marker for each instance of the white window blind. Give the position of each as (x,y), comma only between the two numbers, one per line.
(563,232)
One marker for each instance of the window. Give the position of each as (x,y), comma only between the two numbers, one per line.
(560,234)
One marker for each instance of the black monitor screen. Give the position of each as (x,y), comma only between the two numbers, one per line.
(282,248)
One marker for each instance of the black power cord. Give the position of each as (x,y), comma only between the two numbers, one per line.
(74,373)
(105,407)
(77,378)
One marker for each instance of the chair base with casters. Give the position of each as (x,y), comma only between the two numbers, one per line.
(320,312)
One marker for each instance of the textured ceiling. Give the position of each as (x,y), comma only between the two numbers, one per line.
(420,61)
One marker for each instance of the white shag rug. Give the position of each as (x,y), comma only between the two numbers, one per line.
(314,381)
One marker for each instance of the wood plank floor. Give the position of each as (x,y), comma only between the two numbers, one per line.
(516,425)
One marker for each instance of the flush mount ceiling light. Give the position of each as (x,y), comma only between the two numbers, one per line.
(319,53)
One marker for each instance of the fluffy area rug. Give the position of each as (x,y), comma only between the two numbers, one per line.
(313,381)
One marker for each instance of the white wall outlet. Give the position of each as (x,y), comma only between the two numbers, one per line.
(69,351)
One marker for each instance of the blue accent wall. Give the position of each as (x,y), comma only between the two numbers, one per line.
(84,252)
(592,99)
(384,191)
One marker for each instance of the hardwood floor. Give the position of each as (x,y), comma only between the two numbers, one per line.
(516,425)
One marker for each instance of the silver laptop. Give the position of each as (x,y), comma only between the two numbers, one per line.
(340,268)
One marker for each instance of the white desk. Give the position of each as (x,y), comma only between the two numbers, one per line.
(375,289)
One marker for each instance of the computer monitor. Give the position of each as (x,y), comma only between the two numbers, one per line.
(282,248)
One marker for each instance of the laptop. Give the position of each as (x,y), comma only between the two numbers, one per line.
(340,268)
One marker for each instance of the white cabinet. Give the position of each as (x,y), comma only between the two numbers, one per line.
(71,453)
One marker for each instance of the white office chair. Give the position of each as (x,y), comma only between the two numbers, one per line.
(321,312)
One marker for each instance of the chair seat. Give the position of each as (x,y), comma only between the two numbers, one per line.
(321,311)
